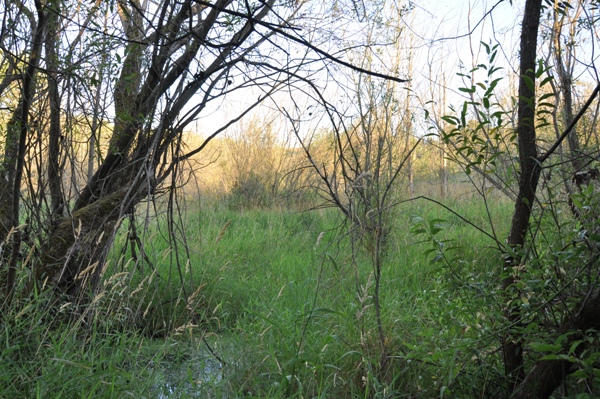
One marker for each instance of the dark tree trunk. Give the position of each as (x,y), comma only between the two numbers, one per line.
(530,171)
(73,255)
(13,163)
(547,375)
(81,242)
(54,134)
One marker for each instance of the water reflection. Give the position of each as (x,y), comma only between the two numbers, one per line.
(189,379)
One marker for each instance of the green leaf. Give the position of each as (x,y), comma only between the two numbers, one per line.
(326,311)
(493,85)
(351,353)
(487,47)
(437,258)
(493,70)
(486,102)
(545,81)
(293,362)
(430,251)
(545,104)
(550,357)
(574,346)
(435,226)
(545,96)
(540,69)
(493,56)
(529,82)
(575,199)
(451,120)
(544,347)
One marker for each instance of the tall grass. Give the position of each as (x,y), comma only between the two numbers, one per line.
(293,309)
(277,296)
(46,352)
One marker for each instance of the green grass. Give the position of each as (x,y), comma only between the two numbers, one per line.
(43,357)
(280,299)
(297,317)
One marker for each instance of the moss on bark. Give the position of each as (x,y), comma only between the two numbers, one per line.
(78,241)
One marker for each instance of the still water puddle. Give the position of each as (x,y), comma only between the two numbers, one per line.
(186,371)
(187,380)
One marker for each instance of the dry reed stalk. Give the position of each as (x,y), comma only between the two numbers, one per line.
(141,284)
(193,296)
(86,271)
(222,233)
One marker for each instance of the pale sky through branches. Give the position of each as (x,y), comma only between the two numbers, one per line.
(444,38)
(445,35)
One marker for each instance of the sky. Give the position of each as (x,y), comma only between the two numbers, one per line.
(441,30)
(447,36)
(452,32)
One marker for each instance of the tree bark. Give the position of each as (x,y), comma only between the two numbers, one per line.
(563,62)
(14,160)
(547,375)
(138,145)
(54,134)
(80,241)
(530,171)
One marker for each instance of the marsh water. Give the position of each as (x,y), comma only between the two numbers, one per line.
(186,371)
(188,380)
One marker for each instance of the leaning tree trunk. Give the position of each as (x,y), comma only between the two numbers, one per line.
(81,241)
(547,375)
(138,151)
(73,257)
